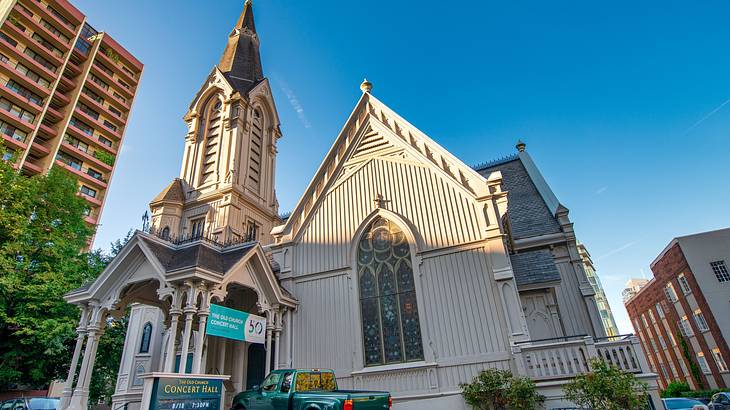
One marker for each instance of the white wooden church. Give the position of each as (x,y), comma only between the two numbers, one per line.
(401,268)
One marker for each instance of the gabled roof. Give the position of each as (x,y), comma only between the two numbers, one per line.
(370,116)
(172,193)
(241,60)
(198,255)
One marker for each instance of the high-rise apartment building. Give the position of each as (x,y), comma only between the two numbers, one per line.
(632,287)
(681,315)
(604,309)
(66,91)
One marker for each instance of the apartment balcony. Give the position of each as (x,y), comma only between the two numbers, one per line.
(84,177)
(16,121)
(98,125)
(60,97)
(51,132)
(39,8)
(31,168)
(565,358)
(21,100)
(11,72)
(66,83)
(8,48)
(37,47)
(92,140)
(13,143)
(86,156)
(28,20)
(40,147)
(118,121)
(53,114)
(107,94)
(73,68)
(107,61)
(93,201)
(111,81)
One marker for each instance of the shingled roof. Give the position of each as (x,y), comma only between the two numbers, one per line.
(172,193)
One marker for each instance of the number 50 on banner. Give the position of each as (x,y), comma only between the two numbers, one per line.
(255,330)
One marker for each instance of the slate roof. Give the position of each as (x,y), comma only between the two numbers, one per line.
(197,254)
(241,60)
(528,213)
(537,266)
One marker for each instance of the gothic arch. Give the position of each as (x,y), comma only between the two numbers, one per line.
(208,137)
(403,272)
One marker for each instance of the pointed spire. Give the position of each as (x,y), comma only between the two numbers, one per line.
(241,61)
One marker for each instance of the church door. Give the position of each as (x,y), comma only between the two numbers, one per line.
(256,365)
(540,314)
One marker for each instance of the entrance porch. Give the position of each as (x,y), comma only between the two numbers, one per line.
(167,289)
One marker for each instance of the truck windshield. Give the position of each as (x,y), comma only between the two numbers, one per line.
(271,382)
(310,381)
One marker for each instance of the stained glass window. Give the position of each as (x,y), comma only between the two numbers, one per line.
(390,326)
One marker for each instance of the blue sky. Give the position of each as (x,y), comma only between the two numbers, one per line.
(622,104)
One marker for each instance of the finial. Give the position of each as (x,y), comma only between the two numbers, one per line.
(247,3)
(520,146)
(366,86)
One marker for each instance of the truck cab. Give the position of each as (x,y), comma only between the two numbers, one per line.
(307,389)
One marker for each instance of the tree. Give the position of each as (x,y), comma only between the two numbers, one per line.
(42,233)
(607,387)
(495,389)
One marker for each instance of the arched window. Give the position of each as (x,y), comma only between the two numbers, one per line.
(390,325)
(166,232)
(144,346)
(209,136)
(257,142)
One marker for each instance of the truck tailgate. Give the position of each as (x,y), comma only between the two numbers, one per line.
(369,401)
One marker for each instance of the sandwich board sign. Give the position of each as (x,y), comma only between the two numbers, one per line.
(188,393)
(235,324)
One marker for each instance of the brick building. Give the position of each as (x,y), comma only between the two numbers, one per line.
(66,91)
(682,315)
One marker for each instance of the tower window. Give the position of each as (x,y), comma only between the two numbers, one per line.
(197,226)
(144,346)
(166,232)
(255,150)
(252,231)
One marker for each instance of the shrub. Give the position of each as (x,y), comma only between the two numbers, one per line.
(676,389)
(494,389)
(105,157)
(607,388)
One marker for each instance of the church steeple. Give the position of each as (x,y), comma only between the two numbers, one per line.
(241,61)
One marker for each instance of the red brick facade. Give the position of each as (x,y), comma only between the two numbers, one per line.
(667,270)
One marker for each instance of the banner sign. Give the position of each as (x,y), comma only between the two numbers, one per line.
(186,394)
(236,325)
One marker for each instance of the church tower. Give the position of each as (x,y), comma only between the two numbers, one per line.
(225,191)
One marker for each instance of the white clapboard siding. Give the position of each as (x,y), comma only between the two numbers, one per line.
(442,212)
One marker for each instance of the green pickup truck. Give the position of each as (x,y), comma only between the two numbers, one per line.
(311,389)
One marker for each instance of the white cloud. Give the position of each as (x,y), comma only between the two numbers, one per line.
(601,190)
(615,251)
(295,104)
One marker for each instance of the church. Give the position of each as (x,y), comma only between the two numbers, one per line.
(400,268)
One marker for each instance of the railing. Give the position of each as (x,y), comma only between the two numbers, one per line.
(621,353)
(563,359)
